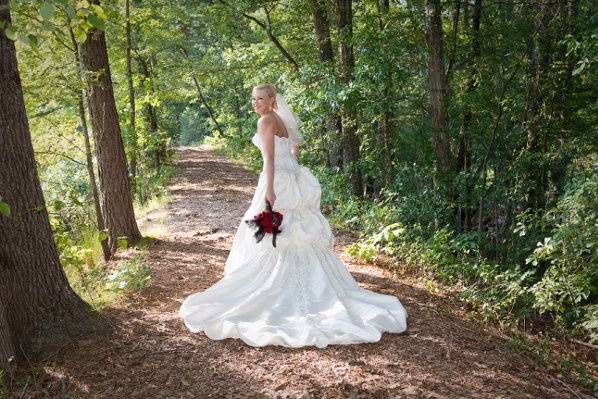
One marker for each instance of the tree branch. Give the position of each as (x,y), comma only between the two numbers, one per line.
(267,26)
(61,155)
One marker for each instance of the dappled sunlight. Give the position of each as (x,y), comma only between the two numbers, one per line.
(152,353)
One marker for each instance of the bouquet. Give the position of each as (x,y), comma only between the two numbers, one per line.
(267,221)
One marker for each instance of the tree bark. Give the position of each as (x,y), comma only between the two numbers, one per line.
(332,128)
(151,116)
(88,152)
(438,88)
(464,213)
(540,55)
(351,154)
(322,30)
(114,181)
(133,132)
(7,349)
(386,122)
(454,36)
(39,311)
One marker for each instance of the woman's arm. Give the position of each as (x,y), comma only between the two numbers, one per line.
(265,128)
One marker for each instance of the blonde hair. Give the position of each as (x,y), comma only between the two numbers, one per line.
(268,88)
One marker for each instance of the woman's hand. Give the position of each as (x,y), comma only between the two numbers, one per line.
(271,197)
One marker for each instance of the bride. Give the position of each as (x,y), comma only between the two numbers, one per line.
(298,293)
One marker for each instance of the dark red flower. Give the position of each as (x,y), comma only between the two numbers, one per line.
(267,221)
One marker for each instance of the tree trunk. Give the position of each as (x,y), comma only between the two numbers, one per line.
(39,311)
(201,96)
(536,133)
(351,155)
(438,88)
(88,154)
(205,104)
(150,112)
(386,123)
(322,29)
(133,132)
(114,181)
(464,213)
(332,129)
(7,349)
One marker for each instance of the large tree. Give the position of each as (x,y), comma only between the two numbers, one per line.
(38,309)
(117,204)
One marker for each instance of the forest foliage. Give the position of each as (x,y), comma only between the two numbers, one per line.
(490,186)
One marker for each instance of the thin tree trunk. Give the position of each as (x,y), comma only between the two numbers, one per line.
(114,181)
(464,213)
(88,152)
(201,96)
(386,123)
(322,30)
(454,35)
(438,88)
(332,128)
(150,112)
(39,311)
(350,140)
(205,104)
(133,132)
(536,133)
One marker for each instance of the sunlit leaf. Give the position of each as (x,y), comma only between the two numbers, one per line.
(10,33)
(96,22)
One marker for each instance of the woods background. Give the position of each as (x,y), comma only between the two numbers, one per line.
(458,138)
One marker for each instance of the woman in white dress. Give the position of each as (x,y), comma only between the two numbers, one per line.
(298,293)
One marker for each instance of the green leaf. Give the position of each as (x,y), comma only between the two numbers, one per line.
(122,242)
(10,34)
(70,11)
(33,42)
(4,208)
(80,34)
(103,235)
(47,11)
(58,205)
(96,22)
(99,11)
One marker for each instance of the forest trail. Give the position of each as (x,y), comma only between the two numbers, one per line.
(151,354)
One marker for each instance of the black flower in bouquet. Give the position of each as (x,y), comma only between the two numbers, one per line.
(266,222)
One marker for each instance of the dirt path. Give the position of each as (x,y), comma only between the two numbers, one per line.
(152,354)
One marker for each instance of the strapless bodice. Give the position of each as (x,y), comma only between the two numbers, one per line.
(283,157)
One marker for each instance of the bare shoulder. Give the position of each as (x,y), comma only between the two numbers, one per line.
(266,126)
(266,121)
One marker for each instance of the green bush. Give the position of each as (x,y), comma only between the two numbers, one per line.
(568,287)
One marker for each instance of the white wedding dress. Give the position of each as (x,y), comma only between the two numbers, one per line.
(295,294)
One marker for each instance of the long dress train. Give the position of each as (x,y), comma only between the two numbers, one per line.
(295,294)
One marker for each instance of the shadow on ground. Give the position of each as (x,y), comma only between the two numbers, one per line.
(151,354)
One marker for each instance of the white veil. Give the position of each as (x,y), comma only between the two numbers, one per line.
(291,122)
